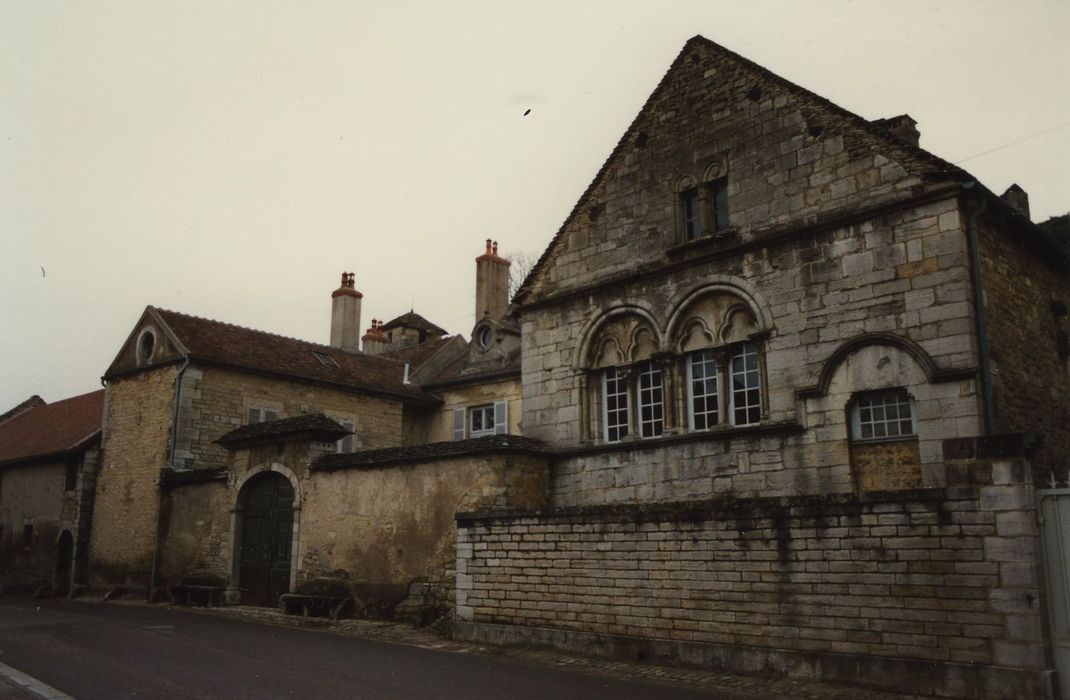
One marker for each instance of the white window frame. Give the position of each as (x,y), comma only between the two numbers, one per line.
(486,412)
(462,426)
(650,397)
(742,352)
(262,415)
(706,357)
(726,394)
(616,431)
(881,401)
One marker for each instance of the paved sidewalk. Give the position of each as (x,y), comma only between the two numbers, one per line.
(757,687)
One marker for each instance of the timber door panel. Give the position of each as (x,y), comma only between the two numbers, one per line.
(266,537)
(1055,532)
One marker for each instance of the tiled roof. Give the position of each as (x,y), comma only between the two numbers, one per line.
(414,320)
(462,370)
(371,459)
(417,354)
(32,402)
(214,341)
(312,423)
(53,428)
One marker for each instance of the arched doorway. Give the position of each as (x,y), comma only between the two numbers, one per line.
(64,558)
(266,513)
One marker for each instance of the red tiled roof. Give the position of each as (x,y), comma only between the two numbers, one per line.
(224,343)
(52,428)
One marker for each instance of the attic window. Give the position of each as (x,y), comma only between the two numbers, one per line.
(325,359)
(486,337)
(146,345)
(704,210)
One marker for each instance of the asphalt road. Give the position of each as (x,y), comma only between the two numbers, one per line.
(100,651)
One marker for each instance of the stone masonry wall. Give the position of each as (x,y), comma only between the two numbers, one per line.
(1030,376)
(787,159)
(137,426)
(901,273)
(945,579)
(216,401)
(387,527)
(441,421)
(30,495)
(379,528)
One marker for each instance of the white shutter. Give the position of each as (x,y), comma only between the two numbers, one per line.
(346,443)
(501,417)
(458,423)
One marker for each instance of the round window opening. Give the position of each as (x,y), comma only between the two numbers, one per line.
(486,337)
(145,345)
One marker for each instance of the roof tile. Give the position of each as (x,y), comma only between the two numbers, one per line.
(52,428)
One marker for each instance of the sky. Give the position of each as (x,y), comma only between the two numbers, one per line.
(230,160)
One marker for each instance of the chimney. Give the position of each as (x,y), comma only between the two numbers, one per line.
(902,127)
(492,283)
(1017,198)
(375,341)
(345,315)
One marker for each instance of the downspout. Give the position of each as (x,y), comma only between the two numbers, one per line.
(980,316)
(171,464)
(174,412)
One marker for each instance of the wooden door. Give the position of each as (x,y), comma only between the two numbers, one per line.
(266,539)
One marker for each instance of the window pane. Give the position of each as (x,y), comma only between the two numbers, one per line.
(650,400)
(719,198)
(692,213)
(614,394)
(883,414)
(702,369)
(746,388)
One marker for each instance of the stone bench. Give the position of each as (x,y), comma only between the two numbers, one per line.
(204,592)
(331,606)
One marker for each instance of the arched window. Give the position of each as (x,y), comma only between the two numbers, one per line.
(629,380)
(722,363)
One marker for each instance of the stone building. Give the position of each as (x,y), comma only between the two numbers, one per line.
(797,379)
(257,461)
(48,462)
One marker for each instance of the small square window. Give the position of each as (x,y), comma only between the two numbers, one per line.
(260,415)
(883,415)
(481,421)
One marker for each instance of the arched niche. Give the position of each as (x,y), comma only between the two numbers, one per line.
(714,318)
(620,336)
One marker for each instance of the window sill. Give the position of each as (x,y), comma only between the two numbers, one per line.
(712,435)
(721,239)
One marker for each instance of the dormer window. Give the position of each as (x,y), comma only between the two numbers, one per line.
(325,359)
(485,337)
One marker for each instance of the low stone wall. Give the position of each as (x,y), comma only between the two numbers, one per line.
(925,591)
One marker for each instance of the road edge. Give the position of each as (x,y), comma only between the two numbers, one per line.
(31,684)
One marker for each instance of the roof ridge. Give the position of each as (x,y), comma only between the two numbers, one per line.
(825,102)
(311,343)
(524,290)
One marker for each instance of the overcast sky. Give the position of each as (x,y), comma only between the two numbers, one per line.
(231,159)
